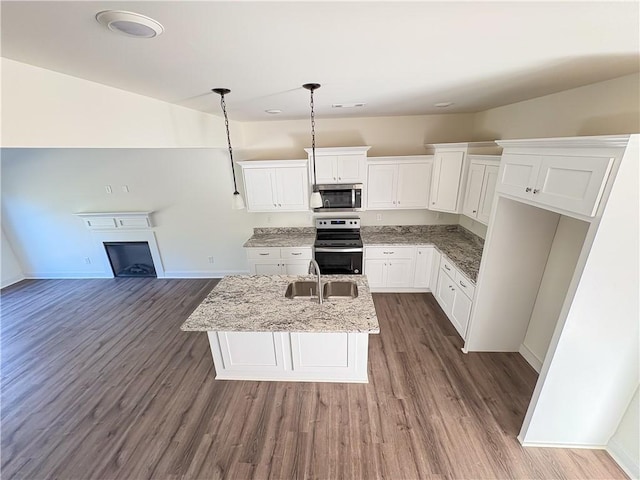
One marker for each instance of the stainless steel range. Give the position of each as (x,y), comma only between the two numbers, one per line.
(338,245)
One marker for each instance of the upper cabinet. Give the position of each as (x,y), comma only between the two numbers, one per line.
(276,186)
(481,186)
(450,164)
(398,182)
(339,164)
(554,175)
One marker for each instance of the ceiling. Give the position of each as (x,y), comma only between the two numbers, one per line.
(400,58)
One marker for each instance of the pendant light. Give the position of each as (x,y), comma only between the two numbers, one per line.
(238,202)
(316,199)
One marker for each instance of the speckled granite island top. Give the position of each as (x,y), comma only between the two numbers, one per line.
(461,246)
(256,303)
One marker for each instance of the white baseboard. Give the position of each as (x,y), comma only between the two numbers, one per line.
(561,445)
(623,459)
(10,281)
(63,275)
(531,358)
(203,274)
(398,290)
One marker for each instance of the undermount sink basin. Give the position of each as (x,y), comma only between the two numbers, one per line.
(340,289)
(302,289)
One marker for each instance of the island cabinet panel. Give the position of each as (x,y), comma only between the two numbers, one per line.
(285,356)
(247,352)
(278,261)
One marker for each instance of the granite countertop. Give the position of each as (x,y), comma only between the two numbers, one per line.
(460,245)
(282,237)
(256,303)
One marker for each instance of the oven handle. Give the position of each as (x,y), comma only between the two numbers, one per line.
(339,250)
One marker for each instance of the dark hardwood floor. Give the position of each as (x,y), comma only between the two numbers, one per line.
(98,382)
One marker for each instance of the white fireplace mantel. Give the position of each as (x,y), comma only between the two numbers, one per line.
(115,220)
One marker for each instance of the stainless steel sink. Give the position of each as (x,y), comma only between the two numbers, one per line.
(339,289)
(302,289)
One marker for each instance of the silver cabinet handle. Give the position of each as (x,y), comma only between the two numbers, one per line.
(475,211)
(528,189)
(388,253)
(394,202)
(462,284)
(447,267)
(296,253)
(535,191)
(264,254)
(339,178)
(279,204)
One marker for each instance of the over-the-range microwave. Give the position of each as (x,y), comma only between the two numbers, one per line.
(345,197)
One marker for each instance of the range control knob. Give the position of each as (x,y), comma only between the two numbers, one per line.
(356,271)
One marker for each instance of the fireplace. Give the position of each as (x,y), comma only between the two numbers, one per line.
(130,259)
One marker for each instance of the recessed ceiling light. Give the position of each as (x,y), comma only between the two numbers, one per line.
(273,111)
(443,104)
(348,105)
(129,23)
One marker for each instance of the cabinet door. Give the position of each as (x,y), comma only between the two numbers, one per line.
(445,292)
(349,168)
(381,187)
(292,189)
(399,273)
(488,193)
(470,205)
(572,183)
(265,267)
(424,267)
(414,183)
(295,267)
(325,168)
(248,351)
(375,272)
(460,312)
(259,186)
(445,184)
(519,174)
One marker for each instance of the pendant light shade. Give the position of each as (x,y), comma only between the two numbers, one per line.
(316,199)
(238,201)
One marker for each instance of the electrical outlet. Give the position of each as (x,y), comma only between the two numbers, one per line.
(87,260)
(210,259)
(379,217)
(107,188)
(125,188)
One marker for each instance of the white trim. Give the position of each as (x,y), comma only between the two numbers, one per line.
(273,163)
(63,275)
(203,273)
(489,143)
(399,290)
(561,445)
(623,459)
(531,358)
(587,141)
(12,280)
(338,150)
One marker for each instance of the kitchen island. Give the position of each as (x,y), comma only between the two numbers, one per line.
(256,333)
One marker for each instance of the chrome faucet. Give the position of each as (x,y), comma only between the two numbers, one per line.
(314,264)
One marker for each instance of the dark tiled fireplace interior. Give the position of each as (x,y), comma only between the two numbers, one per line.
(130,259)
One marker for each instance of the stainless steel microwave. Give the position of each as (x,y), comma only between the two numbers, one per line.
(340,197)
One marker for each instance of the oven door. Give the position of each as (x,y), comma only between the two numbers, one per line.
(345,198)
(339,261)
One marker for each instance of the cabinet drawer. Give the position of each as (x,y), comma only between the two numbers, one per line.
(257,253)
(133,222)
(447,266)
(390,252)
(296,253)
(100,222)
(465,285)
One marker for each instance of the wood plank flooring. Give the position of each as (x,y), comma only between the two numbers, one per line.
(98,382)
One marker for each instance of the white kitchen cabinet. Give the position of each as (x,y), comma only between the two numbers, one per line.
(339,164)
(425,259)
(568,183)
(389,267)
(450,168)
(276,186)
(481,182)
(454,293)
(398,182)
(284,356)
(279,261)
(116,220)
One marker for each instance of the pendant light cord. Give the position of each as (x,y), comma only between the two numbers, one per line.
(226,124)
(313,143)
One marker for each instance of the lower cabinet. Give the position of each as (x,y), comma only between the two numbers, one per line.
(278,356)
(389,267)
(427,264)
(454,293)
(279,261)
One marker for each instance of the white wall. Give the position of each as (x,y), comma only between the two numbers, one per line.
(624,446)
(42,108)
(603,108)
(11,270)
(559,270)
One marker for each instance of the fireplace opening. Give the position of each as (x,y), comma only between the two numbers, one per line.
(130,259)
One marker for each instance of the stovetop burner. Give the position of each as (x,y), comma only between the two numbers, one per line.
(338,233)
